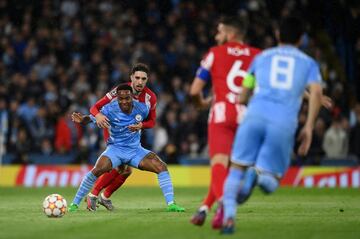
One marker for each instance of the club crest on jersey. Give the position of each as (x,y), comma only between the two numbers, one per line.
(138,118)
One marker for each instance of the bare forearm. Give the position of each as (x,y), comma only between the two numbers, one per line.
(315,97)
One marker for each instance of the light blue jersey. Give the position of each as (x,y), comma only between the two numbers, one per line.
(282,74)
(265,137)
(123,145)
(120,135)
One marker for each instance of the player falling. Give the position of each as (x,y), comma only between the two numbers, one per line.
(111,181)
(124,147)
(282,73)
(225,66)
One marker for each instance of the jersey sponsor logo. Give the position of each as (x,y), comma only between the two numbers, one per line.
(138,118)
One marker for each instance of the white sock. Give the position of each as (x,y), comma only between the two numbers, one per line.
(102,195)
(204,208)
(92,195)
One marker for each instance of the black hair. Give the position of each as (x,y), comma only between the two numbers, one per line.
(291,30)
(239,23)
(140,67)
(123,86)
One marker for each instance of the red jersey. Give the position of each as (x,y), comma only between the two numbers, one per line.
(227,65)
(147,96)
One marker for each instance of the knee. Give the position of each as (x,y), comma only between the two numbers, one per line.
(98,171)
(268,183)
(220,159)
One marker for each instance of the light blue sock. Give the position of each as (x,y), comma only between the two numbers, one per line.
(249,183)
(166,186)
(268,183)
(86,184)
(231,189)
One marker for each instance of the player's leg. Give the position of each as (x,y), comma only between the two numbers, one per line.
(220,138)
(199,217)
(243,155)
(104,181)
(274,157)
(123,173)
(103,164)
(219,171)
(152,163)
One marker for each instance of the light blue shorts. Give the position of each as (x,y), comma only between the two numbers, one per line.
(263,144)
(119,156)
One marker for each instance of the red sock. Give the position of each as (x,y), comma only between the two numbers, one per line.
(104,181)
(218,176)
(210,198)
(115,184)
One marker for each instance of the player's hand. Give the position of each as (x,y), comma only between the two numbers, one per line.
(305,138)
(102,121)
(77,117)
(135,127)
(206,103)
(327,102)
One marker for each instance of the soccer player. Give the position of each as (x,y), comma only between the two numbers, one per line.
(113,180)
(282,73)
(124,147)
(225,66)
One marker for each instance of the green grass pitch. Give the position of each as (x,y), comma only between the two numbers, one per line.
(140,213)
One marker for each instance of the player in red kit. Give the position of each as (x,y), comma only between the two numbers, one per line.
(113,180)
(225,66)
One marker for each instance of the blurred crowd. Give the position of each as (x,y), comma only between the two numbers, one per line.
(57,57)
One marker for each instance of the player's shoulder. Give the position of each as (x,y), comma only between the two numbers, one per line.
(236,49)
(150,94)
(147,90)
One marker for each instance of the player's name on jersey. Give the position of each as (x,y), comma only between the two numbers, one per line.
(234,51)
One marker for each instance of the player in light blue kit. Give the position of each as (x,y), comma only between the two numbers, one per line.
(264,140)
(124,147)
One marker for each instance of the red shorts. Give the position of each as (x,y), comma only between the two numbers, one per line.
(222,128)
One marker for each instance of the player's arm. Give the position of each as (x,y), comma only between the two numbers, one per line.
(150,120)
(305,136)
(80,118)
(196,94)
(326,101)
(248,87)
(101,120)
(202,77)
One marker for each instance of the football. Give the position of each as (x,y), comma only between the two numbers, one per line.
(54,205)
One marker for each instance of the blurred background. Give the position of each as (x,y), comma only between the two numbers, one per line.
(57,57)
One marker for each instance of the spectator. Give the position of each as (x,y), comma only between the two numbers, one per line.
(355,134)
(336,140)
(68,134)
(68,53)
(4,126)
